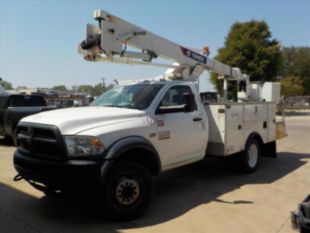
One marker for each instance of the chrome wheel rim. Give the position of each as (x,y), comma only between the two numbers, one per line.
(252,155)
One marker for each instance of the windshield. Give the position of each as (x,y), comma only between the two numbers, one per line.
(137,96)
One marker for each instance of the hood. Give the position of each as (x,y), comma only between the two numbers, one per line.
(71,121)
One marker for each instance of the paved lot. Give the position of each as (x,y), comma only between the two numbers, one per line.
(211,196)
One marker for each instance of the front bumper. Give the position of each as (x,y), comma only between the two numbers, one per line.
(66,174)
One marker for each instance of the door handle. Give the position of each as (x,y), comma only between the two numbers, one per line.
(197,119)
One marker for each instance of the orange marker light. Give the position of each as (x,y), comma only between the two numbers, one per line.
(206,51)
(94,141)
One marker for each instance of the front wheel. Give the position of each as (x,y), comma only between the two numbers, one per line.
(126,192)
(250,157)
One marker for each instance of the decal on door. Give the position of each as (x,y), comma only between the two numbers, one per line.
(160,123)
(164,135)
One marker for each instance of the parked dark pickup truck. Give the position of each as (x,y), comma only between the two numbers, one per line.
(14,107)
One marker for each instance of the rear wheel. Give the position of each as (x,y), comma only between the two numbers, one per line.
(250,157)
(126,192)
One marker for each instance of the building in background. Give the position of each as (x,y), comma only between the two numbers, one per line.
(67,98)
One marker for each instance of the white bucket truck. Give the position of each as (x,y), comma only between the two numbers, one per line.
(140,129)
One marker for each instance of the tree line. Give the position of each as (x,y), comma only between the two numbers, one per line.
(250,47)
(95,90)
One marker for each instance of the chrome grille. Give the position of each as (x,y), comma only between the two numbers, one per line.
(40,141)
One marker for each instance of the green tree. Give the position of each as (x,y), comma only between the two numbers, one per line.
(249,46)
(7,85)
(100,88)
(95,90)
(292,86)
(296,62)
(85,88)
(60,88)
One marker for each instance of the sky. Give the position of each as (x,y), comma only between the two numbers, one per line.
(39,39)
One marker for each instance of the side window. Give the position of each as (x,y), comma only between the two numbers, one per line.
(15,101)
(174,97)
(34,101)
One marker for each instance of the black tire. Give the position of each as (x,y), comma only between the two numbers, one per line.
(250,156)
(51,192)
(126,193)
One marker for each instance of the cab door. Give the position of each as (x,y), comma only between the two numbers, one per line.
(182,136)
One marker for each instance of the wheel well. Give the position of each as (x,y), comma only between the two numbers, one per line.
(141,156)
(257,137)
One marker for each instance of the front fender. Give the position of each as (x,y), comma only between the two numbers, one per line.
(128,143)
(125,144)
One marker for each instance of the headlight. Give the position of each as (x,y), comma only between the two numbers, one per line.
(83,145)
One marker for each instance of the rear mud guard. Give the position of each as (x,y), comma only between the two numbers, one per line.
(269,150)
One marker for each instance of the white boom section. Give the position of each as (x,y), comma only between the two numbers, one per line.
(109,42)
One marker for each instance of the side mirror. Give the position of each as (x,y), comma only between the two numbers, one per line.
(190,103)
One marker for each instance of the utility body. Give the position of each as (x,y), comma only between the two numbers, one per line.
(140,129)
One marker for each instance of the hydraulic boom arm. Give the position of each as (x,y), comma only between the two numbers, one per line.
(110,40)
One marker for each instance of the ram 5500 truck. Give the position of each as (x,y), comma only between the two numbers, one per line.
(137,130)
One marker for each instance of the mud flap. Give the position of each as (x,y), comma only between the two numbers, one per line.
(269,150)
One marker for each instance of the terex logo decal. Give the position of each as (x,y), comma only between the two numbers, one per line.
(196,56)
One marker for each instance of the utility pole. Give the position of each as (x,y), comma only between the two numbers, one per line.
(103,83)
